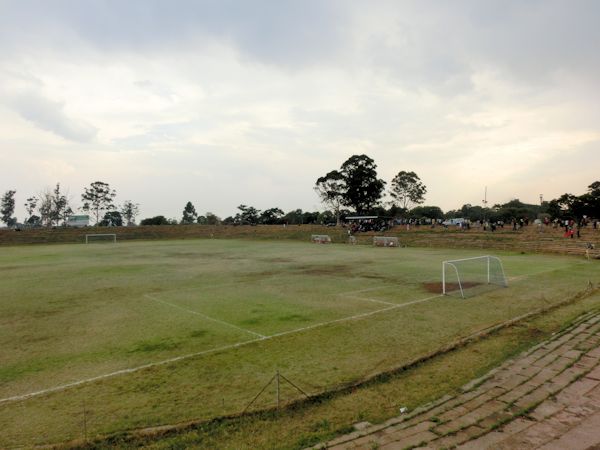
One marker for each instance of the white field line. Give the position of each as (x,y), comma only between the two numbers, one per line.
(205,352)
(357,316)
(123,372)
(374,300)
(522,277)
(360,291)
(190,311)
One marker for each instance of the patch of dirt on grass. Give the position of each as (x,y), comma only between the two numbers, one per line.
(332,269)
(436,287)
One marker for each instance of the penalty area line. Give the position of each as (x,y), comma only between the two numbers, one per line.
(191,311)
(206,352)
(355,317)
(366,299)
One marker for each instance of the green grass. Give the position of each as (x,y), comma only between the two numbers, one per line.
(70,312)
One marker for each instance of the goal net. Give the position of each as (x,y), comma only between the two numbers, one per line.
(321,239)
(385,241)
(105,237)
(471,276)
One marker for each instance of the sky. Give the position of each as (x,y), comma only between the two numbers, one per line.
(223,102)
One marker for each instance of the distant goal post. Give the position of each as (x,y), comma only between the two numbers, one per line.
(386,241)
(101,237)
(321,239)
(472,272)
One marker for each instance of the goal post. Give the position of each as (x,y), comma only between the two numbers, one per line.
(467,273)
(321,239)
(101,237)
(386,241)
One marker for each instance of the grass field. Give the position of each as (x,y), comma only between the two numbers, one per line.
(112,337)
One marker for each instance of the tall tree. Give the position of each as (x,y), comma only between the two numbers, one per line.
(61,209)
(331,189)
(30,206)
(45,208)
(363,188)
(407,189)
(189,214)
(98,198)
(7,208)
(129,211)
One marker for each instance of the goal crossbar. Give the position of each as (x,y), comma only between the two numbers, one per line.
(487,258)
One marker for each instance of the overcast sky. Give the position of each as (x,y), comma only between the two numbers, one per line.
(248,102)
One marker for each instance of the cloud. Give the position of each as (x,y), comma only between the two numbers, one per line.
(50,116)
(250,102)
(24,93)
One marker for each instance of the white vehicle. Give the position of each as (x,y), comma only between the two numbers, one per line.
(456,221)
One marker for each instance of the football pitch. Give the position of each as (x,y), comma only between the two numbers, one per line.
(102,338)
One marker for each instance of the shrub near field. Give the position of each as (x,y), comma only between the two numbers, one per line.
(234,312)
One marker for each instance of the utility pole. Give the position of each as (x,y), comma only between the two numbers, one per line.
(485,202)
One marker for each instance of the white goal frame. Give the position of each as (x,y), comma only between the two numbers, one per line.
(386,241)
(114,236)
(321,238)
(487,258)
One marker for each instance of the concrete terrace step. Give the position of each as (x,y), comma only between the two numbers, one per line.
(547,381)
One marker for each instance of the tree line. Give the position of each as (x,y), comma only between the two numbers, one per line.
(52,207)
(354,188)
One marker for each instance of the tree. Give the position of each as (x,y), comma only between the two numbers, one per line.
(407,189)
(212,219)
(294,217)
(156,220)
(429,212)
(594,188)
(112,219)
(362,187)
(53,207)
(7,208)
(129,211)
(248,215)
(98,198)
(331,189)
(189,214)
(271,216)
(46,208)
(60,209)
(30,206)
(567,205)
(591,200)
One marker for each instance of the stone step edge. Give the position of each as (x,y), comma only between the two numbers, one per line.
(446,398)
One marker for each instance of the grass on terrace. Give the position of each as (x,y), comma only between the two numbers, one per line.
(237,311)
